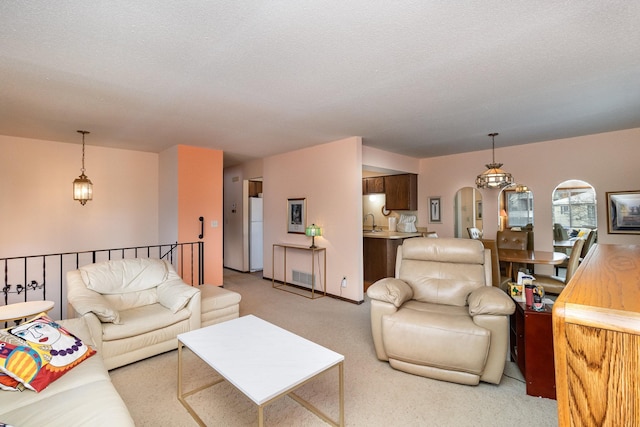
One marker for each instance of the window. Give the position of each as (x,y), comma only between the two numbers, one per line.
(574,205)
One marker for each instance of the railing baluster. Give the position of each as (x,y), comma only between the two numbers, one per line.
(31,285)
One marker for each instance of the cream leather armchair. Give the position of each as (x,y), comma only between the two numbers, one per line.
(439,317)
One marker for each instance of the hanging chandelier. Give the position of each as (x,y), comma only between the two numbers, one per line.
(494,177)
(82,186)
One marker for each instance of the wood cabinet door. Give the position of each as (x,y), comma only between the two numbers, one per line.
(373,185)
(401,192)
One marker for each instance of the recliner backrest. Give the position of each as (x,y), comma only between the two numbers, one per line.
(442,271)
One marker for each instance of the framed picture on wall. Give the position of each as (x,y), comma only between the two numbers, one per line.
(479,209)
(296,215)
(623,212)
(434,210)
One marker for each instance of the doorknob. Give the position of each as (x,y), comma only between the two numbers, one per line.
(201,227)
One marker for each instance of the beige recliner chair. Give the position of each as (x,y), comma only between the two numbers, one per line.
(439,317)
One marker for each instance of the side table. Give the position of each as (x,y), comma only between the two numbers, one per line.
(22,310)
(314,293)
(531,346)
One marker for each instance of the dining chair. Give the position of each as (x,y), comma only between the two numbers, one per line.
(497,279)
(511,239)
(555,284)
(589,240)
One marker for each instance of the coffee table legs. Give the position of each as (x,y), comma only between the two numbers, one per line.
(182,396)
(340,423)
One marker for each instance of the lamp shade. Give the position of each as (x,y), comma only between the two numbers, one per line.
(82,189)
(313,231)
(494,177)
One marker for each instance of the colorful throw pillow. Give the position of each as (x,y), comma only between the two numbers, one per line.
(40,351)
(10,384)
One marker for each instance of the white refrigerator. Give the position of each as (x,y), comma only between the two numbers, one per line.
(255,234)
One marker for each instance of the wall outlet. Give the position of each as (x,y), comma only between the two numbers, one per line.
(344,282)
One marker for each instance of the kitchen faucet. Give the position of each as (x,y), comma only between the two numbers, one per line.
(373,220)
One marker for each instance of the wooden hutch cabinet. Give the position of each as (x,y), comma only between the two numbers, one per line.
(596,330)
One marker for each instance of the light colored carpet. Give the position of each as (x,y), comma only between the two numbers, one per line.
(375,394)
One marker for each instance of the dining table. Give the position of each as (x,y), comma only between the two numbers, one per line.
(517,256)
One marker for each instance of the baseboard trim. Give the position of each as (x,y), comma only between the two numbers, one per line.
(338,297)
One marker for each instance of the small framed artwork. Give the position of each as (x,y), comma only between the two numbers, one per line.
(434,210)
(296,216)
(623,212)
(479,209)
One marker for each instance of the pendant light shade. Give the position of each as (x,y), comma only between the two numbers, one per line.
(82,186)
(494,177)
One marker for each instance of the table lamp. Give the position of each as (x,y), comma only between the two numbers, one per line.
(313,231)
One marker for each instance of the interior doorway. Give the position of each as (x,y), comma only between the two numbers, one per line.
(255,234)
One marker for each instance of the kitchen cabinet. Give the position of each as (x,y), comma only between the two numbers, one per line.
(373,185)
(401,192)
(379,259)
(379,254)
(255,188)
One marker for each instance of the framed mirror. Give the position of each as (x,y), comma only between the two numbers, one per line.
(515,204)
(468,211)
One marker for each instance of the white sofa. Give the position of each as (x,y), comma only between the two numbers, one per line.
(134,308)
(84,396)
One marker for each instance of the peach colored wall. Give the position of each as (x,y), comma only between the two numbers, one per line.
(200,194)
(329,177)
(608,161)
(39,214)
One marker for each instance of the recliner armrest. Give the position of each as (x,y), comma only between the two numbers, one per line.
(490,300)
(392,290)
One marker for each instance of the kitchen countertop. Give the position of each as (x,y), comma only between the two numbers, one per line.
(389,234)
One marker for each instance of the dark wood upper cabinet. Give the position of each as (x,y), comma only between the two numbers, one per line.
(401,192)
(255,188)
(373,185)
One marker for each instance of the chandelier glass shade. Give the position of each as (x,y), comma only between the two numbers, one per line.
(82,185)
(494,177)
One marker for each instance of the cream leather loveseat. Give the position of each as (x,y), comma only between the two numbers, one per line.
(439,317)
(135,308)
(84,396)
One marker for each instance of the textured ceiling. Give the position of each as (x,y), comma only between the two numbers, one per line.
(257,78)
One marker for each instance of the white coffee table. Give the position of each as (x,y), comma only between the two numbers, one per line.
(261,360)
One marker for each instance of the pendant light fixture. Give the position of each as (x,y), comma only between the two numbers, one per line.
(494,177)
(82,186)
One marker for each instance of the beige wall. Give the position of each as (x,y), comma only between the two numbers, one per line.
(329,176)
(608,161)
(375,159)
(39,214)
